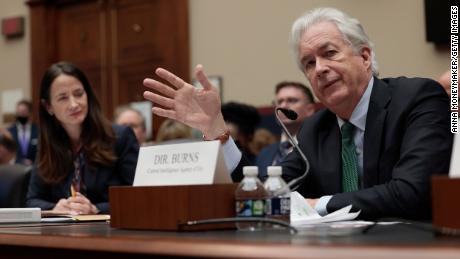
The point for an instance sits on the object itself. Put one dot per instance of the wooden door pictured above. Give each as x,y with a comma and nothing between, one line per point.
117,43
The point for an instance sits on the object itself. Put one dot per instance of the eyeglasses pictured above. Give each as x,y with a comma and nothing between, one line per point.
289,101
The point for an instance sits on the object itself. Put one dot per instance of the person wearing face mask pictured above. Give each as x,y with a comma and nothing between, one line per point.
25,133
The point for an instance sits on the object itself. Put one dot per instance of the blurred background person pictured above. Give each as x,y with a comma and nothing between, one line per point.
24,133
128,116
172,131
262,138
7,148
81,154
242,120
294,96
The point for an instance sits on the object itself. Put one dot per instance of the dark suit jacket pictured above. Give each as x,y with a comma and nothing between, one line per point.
407,139
265,158
33,143
97,180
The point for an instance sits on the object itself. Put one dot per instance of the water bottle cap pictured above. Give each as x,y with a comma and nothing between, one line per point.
274,170
250,170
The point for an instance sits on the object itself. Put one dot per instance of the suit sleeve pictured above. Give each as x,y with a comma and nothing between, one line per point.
127,151
425,150
38,192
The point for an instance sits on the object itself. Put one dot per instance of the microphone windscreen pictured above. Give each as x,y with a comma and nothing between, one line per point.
290,114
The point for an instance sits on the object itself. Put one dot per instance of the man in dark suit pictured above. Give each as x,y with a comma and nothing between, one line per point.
25,133
376,144
289,95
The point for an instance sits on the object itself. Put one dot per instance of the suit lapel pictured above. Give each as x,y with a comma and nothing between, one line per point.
329,155
375,123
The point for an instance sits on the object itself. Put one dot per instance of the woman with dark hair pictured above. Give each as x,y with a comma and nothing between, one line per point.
80,153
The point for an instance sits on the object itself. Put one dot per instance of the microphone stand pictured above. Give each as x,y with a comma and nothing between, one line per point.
292,115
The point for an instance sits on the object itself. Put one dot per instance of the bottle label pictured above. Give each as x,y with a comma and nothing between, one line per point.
277,206
250,208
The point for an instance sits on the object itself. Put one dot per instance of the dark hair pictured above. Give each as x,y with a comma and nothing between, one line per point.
297,85
246,117
55,151
27,103
8,143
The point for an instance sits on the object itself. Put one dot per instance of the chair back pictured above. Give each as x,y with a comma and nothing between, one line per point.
14,184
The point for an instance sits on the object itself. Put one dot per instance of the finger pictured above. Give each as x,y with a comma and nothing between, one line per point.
80,208
164,113
202,77
174,80
160,87
158,99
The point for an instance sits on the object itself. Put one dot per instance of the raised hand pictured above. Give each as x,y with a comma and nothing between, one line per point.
197,108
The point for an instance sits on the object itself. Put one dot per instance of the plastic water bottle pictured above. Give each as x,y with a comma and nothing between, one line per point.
278,204
250,197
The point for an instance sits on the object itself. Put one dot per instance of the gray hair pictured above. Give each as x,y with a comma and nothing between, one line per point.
351,29
124,108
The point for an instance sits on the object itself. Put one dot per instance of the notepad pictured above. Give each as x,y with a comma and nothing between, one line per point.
51,216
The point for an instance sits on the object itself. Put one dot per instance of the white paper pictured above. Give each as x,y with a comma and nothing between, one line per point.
303,214
454,171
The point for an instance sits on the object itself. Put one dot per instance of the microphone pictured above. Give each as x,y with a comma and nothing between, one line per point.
292,115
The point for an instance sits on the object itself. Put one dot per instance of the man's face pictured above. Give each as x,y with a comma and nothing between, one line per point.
337,74
290,97
132,119
22,110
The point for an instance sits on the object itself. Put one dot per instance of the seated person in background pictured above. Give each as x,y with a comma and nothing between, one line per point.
294,96
375,146
262,138
242,120
25,133
127,116
81,154
7,148
172,131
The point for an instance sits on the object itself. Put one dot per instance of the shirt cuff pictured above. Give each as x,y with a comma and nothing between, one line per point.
232,155
321,205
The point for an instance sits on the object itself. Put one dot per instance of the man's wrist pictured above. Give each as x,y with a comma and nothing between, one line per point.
223,138
215,129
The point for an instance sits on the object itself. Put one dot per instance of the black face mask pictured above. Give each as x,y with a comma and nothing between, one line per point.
22,119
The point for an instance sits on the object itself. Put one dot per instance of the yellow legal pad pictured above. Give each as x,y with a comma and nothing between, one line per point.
51,216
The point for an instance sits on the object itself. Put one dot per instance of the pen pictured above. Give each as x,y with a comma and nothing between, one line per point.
72,191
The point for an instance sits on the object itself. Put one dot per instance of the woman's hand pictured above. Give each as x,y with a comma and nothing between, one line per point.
81,205
62,207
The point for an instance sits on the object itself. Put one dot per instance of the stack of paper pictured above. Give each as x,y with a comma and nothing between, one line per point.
303,214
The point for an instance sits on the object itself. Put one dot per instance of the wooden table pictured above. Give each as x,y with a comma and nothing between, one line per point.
99,240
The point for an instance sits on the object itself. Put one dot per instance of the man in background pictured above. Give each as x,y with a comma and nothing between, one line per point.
24,133
127,116
288,95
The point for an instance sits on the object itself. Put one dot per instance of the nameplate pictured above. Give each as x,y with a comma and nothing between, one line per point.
181,164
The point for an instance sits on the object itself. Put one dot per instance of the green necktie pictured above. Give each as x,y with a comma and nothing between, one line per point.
349,159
